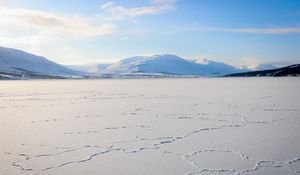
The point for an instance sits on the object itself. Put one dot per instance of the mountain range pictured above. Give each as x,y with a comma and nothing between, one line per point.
17,64
158,64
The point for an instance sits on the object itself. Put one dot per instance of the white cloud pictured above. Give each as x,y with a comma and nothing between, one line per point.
120,12
34,40
44,33
163,1
52,23
269,30
276,30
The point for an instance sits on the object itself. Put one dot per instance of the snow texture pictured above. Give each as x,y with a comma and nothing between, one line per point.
150,126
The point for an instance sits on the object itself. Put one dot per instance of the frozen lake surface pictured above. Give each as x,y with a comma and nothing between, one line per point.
150,126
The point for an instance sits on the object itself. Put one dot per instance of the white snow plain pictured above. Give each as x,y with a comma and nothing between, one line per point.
175,126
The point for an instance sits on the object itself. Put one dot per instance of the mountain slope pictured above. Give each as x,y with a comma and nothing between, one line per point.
264,67
218,67
20,63
168,64
96,68
293,70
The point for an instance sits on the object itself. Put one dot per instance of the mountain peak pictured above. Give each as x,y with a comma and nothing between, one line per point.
168,64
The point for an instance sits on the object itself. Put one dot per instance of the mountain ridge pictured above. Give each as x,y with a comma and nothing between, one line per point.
292,70
168,64
18,64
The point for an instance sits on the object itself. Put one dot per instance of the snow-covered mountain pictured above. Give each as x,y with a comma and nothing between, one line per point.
265,67
22,65
169,64
96,68
292,70
18,63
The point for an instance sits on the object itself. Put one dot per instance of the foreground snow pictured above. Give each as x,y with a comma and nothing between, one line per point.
158,126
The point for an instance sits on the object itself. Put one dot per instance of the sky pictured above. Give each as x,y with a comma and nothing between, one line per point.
238,32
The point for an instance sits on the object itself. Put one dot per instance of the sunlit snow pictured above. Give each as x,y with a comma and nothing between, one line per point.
150,126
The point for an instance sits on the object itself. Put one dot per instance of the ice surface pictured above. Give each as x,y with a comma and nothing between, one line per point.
226,126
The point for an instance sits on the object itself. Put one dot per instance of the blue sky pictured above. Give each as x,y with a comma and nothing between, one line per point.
240,32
